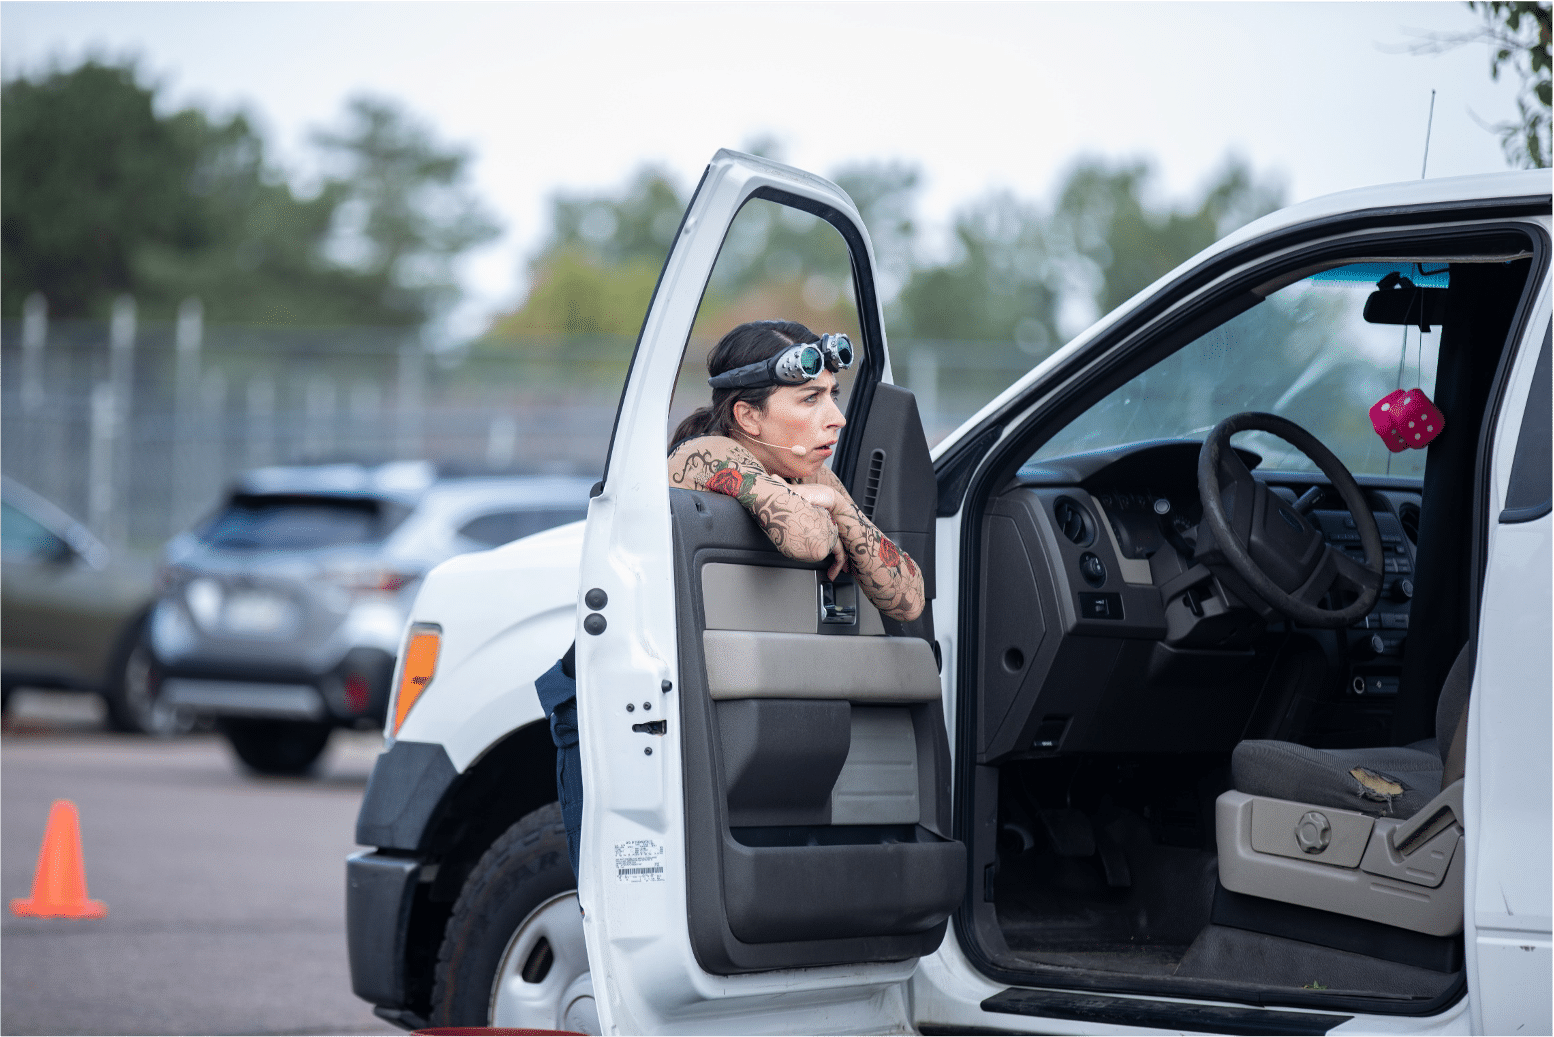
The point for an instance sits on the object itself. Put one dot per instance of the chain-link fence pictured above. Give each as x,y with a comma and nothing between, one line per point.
137,427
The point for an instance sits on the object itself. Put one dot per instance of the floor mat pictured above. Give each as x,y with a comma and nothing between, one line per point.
1223,953
1153,960
1047,902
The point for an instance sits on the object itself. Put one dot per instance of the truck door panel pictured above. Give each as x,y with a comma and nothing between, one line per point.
815,764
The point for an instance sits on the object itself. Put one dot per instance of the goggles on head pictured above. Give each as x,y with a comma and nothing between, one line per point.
793,366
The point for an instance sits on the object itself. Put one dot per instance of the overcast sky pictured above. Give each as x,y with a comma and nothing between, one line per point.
1323,96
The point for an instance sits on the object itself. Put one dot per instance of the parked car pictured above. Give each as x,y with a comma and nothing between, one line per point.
281,613
74,613
1196,737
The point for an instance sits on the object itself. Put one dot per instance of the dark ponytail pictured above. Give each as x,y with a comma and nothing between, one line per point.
747,344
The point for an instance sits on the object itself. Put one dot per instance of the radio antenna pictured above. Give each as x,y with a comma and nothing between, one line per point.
1403,355
1428,123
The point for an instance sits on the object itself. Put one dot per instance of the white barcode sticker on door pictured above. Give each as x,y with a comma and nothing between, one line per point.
640,860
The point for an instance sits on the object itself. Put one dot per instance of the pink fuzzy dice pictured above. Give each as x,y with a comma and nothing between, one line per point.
1406,418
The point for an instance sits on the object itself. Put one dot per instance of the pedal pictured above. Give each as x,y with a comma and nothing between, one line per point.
1115,863
1071,833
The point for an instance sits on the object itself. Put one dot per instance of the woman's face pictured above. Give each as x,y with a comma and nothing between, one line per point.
796,415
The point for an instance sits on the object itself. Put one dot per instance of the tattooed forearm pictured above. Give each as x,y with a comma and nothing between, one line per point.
886,574
805,522
796,527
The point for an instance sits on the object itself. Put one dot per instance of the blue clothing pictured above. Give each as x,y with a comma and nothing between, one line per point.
557,690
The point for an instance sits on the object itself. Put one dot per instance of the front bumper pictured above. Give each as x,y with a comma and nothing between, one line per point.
407,785
379,891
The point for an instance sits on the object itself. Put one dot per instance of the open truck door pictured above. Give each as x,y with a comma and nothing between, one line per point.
766,834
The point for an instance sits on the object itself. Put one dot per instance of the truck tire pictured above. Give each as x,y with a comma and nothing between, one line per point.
282,747
513,954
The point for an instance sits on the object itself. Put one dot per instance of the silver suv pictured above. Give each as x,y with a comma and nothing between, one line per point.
281,613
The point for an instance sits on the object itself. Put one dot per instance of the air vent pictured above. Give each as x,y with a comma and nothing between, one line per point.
1073,521
871,485
1408,517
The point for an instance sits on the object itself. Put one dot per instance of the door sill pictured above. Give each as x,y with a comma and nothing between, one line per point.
1164,1015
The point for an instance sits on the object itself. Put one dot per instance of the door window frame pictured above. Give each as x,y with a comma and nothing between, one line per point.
873,365
1528,495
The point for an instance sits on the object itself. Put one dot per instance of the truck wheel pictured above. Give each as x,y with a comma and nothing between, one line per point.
277,746
513,954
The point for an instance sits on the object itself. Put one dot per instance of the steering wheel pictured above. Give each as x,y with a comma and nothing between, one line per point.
1266,545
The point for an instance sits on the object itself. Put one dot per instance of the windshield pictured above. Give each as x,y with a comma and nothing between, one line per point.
1306,353
253,522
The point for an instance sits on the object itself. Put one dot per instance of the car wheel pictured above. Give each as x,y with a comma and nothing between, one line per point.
513,953
135,701
277,746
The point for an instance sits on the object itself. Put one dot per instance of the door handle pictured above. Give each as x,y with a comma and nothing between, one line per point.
834,612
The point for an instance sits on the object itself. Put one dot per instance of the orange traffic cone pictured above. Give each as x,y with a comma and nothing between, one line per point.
59,888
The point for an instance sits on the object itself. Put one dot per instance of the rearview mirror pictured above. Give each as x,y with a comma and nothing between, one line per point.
1424,307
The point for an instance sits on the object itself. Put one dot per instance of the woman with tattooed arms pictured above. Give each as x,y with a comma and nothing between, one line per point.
764,441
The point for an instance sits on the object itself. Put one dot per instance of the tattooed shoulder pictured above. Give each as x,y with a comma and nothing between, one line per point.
716,464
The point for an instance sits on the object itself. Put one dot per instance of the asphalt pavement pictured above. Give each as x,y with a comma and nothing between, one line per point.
225,891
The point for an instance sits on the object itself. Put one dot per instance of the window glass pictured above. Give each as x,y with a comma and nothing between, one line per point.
1306,353
777,263
295,523
504,527
22,536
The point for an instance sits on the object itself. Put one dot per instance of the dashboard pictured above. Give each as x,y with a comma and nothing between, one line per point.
1101,633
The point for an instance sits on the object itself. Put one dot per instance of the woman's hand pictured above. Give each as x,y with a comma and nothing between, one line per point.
823,497
838,558
885,573
826,499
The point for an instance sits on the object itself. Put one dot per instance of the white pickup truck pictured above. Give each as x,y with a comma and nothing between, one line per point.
1195,737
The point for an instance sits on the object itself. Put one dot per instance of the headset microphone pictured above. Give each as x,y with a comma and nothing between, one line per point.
797,450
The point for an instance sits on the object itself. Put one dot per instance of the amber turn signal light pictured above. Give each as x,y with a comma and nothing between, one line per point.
419,666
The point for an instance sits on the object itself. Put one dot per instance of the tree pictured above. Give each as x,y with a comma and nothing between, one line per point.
90,173
404,213
1013,266
1016,263
100,195
595,273
1001,285
886,196
1103,223
639,224
1519,33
